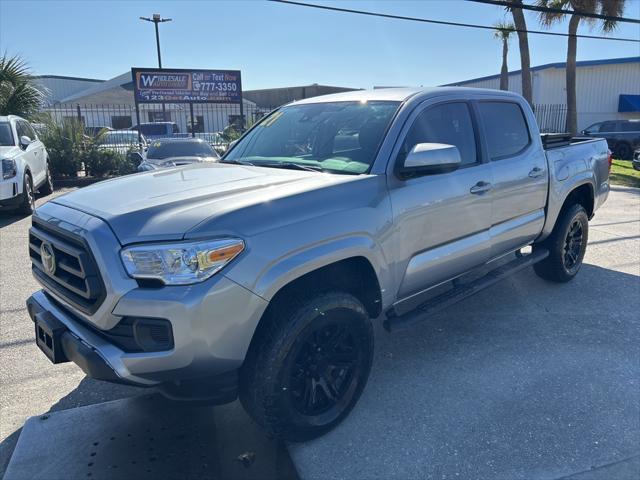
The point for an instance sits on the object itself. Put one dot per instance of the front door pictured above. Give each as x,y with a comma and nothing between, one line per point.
442,220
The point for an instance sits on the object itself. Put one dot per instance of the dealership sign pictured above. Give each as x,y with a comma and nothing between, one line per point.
153,85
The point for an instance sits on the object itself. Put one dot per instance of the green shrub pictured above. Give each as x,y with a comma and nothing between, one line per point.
65,143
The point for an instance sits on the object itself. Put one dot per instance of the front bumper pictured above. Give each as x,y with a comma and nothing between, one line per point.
10,193
69,346
212,322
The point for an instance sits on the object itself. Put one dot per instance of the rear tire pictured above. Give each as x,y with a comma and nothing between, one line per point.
28,204
307,365
567,245
623,151
47,187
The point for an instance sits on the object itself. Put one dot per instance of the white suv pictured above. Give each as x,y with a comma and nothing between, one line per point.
24,164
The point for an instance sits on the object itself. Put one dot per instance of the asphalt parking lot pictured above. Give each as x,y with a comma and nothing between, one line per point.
525,380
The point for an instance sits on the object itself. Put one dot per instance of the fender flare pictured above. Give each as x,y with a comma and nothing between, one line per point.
287,269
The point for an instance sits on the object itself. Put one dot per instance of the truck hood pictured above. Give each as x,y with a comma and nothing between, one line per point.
9,152
166,204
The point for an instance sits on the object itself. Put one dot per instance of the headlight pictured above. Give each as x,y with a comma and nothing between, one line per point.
180,263
9,168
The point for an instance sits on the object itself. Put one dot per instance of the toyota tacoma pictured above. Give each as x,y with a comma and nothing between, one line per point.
260,276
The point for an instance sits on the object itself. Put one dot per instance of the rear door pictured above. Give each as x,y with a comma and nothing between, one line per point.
442,227
520,174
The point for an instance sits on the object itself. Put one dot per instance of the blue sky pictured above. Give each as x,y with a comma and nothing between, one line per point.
279,45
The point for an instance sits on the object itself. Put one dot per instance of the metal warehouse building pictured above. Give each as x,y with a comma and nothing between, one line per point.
606,89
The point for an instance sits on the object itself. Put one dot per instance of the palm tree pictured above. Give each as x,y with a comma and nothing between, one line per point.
18,94
523,44
604,7
503,31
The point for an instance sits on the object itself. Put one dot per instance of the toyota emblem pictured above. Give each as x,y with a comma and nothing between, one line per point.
48,258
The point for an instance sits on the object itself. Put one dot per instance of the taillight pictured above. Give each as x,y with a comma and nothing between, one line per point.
610,159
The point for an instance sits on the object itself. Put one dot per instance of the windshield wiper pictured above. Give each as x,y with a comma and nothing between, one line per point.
237,162
291,165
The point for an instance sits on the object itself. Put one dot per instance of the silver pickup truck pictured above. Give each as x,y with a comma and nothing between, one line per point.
260,276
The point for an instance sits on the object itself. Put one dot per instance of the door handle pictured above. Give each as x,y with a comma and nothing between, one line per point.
536,172
481,187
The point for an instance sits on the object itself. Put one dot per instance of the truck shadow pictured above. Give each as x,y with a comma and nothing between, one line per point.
142,435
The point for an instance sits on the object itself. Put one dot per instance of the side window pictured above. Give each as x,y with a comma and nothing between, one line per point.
630,127
448,123
31,133
505,128
20,129
608,127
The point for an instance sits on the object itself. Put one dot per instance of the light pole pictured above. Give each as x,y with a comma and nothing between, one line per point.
156,19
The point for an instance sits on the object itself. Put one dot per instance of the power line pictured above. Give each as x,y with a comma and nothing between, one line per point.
536,8
442,22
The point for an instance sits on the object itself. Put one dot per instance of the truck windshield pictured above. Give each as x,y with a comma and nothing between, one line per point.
6,137
337,137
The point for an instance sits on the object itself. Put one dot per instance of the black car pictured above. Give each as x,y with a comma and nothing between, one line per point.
621,135
172,152
636,159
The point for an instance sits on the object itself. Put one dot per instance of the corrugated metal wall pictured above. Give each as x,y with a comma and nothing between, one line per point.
598,89
59,88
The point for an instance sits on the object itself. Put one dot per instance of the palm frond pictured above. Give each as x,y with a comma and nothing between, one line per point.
18,93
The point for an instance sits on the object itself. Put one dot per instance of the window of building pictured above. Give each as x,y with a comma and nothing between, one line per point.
448,123
159,116
505,128
121,122
198,124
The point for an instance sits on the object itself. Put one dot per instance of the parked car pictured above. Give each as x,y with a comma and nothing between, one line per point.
621,135
260,275
155,130
216,140
24,163
94,131
173,152
121,141
636,159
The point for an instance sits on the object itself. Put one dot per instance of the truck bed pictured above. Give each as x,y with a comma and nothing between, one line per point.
557,140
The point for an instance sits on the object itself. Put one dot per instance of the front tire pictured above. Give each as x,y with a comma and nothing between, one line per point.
47,187
28,204
308,365
567,245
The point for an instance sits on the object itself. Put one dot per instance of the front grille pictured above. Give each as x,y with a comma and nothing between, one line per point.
74,276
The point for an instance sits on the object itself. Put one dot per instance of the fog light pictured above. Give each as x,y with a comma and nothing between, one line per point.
153,334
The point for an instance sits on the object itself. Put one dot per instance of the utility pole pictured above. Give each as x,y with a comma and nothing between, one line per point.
156,19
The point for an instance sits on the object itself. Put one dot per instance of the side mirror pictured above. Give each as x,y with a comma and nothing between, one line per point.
25,141
430,158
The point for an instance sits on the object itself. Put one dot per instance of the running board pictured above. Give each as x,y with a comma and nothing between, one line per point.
461,291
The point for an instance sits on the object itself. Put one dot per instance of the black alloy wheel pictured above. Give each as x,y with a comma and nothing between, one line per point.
324,369
573,246
308,364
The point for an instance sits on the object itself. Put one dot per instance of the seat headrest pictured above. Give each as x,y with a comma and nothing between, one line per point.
371,133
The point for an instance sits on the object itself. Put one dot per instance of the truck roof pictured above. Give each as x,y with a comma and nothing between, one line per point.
400,94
